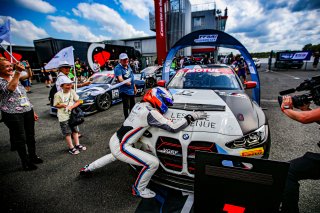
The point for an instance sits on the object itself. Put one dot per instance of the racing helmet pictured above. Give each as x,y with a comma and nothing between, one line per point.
159,98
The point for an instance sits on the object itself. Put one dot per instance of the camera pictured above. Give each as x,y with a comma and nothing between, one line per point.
312,85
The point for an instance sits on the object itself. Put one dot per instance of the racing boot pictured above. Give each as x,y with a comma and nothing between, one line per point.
85,171
146,193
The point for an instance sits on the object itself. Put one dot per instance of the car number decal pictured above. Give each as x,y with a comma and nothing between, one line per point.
115,93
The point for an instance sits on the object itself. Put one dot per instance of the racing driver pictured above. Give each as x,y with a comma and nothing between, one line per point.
149,112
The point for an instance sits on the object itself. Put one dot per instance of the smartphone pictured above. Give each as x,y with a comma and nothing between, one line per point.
24,63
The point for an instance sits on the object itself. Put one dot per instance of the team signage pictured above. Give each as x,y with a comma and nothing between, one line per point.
288,56
206,38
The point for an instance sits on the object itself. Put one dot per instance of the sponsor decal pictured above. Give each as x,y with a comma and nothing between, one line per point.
168,151
206,70
185,136
206,38
206,123
252,152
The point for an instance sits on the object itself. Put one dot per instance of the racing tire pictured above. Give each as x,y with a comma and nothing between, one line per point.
103,101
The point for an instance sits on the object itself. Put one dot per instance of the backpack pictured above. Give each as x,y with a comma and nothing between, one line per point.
76,117
52,92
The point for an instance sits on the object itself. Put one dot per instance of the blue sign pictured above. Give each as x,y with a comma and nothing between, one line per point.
294,56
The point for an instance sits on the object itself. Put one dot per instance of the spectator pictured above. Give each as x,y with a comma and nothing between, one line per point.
64,71
66,100
147,62
96,67
241,67
316,60
84,71
181,61
17,114
136,65
47,75
25,76
109,66
127,90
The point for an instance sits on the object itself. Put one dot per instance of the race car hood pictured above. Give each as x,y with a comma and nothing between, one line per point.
229,112
95,89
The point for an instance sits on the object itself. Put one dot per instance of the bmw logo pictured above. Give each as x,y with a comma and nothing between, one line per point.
185,136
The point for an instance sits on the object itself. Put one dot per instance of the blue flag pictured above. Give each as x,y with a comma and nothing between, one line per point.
5,31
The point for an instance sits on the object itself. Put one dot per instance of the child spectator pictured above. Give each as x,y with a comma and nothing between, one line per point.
65,100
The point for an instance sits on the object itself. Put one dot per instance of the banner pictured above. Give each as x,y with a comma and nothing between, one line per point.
65,54
294,55
5,31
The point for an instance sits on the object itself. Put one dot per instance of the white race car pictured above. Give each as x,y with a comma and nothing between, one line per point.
235,125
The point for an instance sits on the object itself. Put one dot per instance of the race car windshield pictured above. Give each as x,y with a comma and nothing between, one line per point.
101,79
217,79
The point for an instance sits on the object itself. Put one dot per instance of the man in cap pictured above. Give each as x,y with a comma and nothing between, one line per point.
127,90
64,70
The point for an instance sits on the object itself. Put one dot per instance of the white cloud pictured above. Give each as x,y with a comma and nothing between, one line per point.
24,30
261,27
109,19
140,8
71,26
37,5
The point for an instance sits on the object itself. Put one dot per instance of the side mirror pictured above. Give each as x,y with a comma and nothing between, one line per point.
250,84
161,83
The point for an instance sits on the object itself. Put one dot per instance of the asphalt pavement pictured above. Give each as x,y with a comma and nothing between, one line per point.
57,187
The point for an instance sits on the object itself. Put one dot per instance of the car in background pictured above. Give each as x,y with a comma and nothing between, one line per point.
151,75
102,92
257,62
235,124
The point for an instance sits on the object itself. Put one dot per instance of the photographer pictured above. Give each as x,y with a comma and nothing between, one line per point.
305,167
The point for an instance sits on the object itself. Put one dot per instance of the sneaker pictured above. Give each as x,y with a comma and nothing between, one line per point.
85,171
80,147
74,151
28,166
146,193
36,160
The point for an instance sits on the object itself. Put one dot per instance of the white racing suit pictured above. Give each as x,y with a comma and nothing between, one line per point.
142,116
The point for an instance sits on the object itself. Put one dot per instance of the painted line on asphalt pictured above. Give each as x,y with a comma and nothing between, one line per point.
292,76
269,101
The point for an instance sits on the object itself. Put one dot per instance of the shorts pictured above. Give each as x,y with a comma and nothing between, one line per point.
66,129
242,73
26,83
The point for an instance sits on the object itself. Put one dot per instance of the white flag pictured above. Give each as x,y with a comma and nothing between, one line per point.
5,31
65,54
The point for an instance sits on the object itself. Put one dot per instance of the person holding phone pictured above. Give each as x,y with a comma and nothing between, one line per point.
17,114
25,76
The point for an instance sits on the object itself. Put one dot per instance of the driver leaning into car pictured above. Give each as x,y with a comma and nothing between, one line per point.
149,112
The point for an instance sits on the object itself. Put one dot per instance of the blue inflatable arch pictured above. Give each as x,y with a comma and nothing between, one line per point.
218,39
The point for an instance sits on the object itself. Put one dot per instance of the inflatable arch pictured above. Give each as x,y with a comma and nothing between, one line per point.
218,39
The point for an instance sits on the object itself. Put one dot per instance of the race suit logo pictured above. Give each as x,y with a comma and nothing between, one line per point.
206,38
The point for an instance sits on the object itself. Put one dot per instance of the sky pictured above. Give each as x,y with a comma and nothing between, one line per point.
260,25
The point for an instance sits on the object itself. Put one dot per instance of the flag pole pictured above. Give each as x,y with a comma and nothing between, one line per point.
74,73
12,57
10,48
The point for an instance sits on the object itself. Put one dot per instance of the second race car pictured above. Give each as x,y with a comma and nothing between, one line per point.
102,92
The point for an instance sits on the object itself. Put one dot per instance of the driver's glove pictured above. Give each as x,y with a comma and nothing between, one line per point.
196,116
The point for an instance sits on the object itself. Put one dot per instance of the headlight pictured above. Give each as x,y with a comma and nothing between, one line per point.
85,95
251,140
